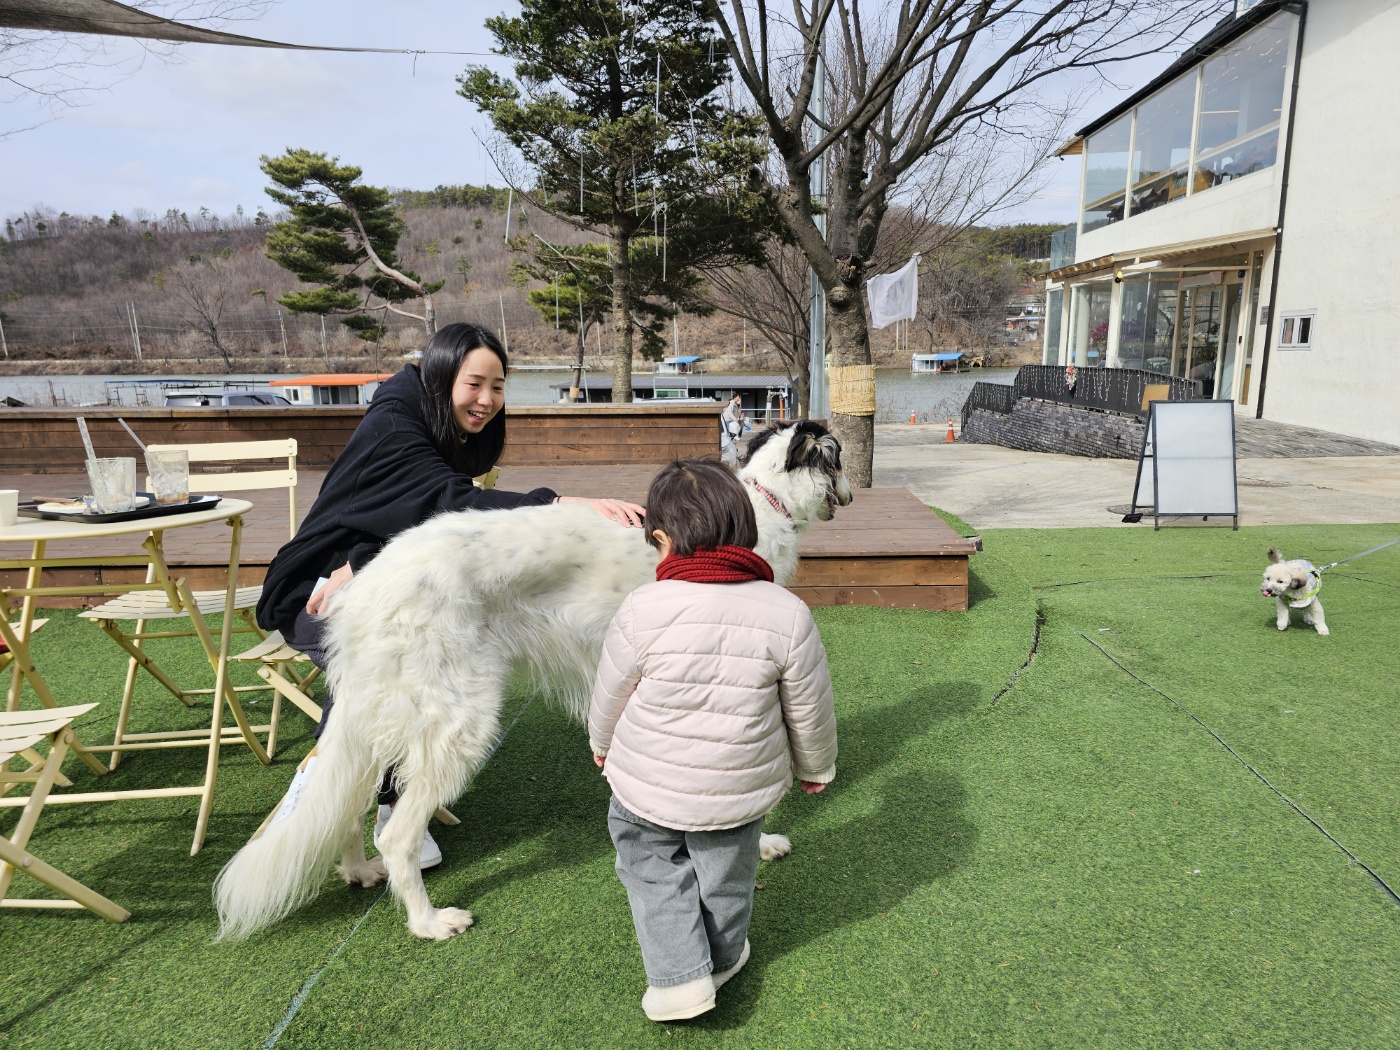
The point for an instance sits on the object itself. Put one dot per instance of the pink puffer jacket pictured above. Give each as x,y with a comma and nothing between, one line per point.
708,698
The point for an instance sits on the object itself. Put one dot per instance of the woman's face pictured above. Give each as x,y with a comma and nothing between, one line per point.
479,391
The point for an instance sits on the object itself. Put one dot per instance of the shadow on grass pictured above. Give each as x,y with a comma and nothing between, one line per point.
978,589
909,831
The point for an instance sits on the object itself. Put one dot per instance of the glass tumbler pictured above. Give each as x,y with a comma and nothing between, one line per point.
113,484
169,475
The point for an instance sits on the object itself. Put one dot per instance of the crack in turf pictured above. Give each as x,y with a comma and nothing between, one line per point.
1385,886
1030,657
294,1007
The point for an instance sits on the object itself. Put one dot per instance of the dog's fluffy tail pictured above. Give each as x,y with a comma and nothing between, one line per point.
284,867
1275,556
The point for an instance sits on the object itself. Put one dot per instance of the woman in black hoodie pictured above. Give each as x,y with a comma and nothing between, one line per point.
428,432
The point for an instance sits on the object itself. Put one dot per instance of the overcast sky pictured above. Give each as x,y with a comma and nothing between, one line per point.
188,133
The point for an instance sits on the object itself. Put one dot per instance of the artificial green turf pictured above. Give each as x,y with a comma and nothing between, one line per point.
1070,862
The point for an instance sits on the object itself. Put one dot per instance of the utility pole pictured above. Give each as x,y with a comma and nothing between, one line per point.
324,352
3,343
282,325
816,365
505,338
135,328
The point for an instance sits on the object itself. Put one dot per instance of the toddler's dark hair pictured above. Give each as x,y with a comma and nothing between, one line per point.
700,503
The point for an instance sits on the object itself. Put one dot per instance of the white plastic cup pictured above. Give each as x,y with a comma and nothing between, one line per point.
113,484
169,475
9,507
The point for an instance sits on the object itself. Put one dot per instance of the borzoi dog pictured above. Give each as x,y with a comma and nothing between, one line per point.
422,643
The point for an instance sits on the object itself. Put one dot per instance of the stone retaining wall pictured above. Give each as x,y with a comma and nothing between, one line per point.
1042,426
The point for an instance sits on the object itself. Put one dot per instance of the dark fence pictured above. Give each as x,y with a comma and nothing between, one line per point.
1105,389
990,397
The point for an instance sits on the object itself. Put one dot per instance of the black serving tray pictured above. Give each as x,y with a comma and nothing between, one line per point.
30,509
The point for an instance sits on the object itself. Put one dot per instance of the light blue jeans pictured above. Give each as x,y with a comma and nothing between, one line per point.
691,893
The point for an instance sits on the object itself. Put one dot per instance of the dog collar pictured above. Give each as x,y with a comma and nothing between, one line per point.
776,503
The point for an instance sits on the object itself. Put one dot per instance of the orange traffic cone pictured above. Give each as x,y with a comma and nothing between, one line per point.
949,439
912,420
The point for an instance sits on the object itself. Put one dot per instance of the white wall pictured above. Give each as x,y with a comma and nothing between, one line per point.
1341,242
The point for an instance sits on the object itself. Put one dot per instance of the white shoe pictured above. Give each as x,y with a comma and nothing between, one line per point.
720,976
293,795
680,1001
430,857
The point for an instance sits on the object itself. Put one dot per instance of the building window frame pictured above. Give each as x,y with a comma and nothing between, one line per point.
1297,329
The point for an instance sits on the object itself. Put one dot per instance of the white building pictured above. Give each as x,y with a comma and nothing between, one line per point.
1240,220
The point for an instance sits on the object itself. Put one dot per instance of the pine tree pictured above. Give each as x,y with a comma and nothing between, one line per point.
342,237
616,111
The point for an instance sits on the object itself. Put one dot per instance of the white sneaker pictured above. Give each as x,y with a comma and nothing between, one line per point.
720,976
293,795
430,857
679,1001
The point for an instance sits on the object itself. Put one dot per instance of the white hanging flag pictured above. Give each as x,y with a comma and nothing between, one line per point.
894,296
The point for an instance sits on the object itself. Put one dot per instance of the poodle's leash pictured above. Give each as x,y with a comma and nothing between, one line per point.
1363,554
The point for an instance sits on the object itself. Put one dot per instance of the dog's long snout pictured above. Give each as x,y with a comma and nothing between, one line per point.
842,492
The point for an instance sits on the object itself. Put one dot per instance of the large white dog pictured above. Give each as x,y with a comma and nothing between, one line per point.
422,643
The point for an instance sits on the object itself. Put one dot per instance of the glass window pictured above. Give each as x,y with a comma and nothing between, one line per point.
1106,173
1241,103
1162,147
1147,327
1295,331
1054,309
1091,303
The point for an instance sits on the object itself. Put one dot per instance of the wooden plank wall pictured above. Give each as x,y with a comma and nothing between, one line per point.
41,440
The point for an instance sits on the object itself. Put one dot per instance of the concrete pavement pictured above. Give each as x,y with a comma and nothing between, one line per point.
993,487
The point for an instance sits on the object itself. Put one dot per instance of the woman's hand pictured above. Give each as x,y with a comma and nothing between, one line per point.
811,787
629,514
334,582
598,761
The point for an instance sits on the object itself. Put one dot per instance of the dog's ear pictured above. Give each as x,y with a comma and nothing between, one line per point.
1299,580
1275,555
812,447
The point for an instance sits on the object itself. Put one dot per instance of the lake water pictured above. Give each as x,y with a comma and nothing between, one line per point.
932,398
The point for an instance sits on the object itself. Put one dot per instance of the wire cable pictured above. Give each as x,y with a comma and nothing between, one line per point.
1385,887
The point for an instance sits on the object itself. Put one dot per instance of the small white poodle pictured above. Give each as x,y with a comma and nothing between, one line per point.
1294,585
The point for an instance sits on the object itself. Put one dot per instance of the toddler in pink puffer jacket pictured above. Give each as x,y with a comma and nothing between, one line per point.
712,691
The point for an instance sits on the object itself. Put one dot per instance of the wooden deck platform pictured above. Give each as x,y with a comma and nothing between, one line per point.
885,549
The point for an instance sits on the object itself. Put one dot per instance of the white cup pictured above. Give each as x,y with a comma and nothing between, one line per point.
9,507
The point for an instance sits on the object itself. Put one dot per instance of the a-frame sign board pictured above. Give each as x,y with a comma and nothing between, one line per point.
1187,464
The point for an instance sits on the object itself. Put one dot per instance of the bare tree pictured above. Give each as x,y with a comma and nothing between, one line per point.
773,298
205,288
912,81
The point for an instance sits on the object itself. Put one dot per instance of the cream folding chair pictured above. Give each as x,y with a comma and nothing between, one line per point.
145,606
20,731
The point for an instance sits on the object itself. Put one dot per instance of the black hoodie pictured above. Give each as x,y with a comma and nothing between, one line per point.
390,477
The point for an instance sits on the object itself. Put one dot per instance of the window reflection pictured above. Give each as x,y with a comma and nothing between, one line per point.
1147,327
1162,148
1106,173
1236,131
1241,103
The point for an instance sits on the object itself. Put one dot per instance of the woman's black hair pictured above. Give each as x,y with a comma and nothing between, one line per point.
700,503
472,454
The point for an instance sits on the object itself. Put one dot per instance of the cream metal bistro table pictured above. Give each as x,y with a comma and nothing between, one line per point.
174,594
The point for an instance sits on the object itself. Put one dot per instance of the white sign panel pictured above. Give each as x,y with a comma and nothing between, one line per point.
1187,467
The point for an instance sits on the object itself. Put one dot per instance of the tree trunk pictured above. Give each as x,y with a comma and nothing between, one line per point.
429,315
622,316
849,332
802,373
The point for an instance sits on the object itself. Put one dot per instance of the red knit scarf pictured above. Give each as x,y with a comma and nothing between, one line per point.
727,564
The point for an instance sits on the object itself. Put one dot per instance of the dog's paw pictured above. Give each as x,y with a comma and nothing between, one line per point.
1322,629
441,924
1282,625
365,873
773,847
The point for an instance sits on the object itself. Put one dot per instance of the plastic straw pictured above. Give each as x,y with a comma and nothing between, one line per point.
132,433
87,440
